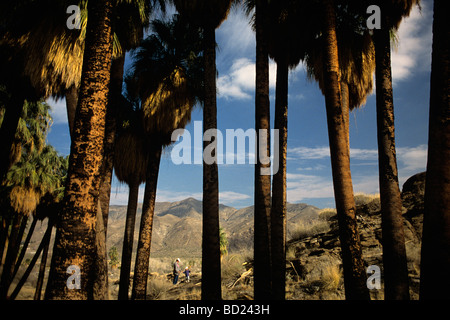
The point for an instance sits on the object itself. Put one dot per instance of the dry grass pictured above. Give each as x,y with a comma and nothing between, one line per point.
331,277
364,198
326,213
157,288
304,229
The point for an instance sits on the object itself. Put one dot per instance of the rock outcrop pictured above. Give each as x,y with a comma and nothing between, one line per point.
315,265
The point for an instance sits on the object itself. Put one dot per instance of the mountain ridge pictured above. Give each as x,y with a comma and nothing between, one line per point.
177,225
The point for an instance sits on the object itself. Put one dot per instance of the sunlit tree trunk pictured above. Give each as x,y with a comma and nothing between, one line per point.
354,270
139,291
76,239
393,239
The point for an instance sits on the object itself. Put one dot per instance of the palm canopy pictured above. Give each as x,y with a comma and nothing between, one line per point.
31,130
53,62
397,10
166,76
356,55
207,13
131,154
38,168
33,177
291,29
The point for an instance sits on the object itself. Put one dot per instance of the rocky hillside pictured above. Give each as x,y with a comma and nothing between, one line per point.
177,226
315,266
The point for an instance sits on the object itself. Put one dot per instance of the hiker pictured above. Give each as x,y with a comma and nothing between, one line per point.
176,270
186,272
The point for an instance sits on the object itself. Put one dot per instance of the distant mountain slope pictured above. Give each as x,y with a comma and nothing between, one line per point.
177,226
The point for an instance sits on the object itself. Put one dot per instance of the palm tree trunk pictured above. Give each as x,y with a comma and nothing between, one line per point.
139,291
76,242
128,238
40,280
394,252
211,268
15,238
6,221
346,110
354,272
434,281
44,242
115,97
25,246
100,288
278,212
262,261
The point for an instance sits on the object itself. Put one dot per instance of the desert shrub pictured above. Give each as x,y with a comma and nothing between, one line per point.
232,265
331,277
157,288
327,213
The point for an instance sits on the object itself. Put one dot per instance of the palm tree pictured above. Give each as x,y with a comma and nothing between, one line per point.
394,252
262,265
26,182
75,242
209,15
165,77
49,207
41,66
130,18
130,163
292,27
356,61
354,270
37,174
435,246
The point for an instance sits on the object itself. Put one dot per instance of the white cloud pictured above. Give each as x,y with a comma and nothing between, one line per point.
414,47
363,154
316,167
302,186
231,196
239,82
119,193
58,110
307,153
366,184
412,160
235,35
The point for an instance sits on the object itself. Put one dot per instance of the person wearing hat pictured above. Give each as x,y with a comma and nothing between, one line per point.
176,270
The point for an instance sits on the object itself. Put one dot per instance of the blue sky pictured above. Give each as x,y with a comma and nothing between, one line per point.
309,178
